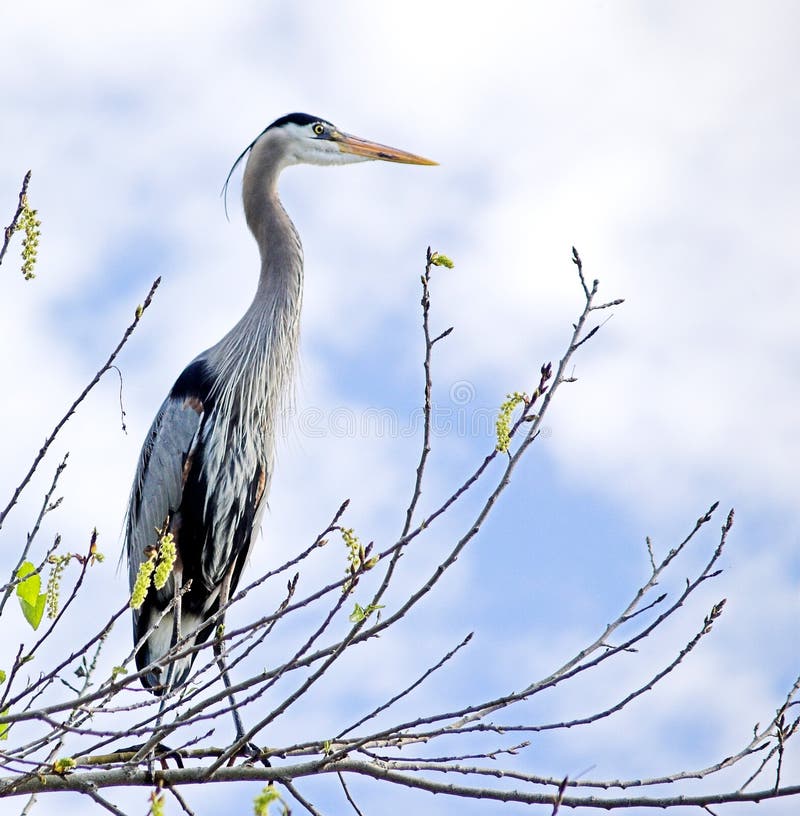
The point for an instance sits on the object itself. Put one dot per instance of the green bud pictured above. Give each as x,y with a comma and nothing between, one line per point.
437,259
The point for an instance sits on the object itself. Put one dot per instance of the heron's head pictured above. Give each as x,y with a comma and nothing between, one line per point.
299,138
306,139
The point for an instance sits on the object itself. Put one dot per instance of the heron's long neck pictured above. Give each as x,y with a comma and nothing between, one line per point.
255,361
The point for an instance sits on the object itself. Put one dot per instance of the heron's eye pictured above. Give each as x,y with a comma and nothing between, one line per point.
318,128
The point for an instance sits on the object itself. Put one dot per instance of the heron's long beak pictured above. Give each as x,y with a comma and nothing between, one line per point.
373,150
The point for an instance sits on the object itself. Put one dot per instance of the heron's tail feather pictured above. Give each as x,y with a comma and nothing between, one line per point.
164,673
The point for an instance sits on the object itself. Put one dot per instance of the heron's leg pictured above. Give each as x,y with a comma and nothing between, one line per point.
163,750
219,652
177,595
177,584
176,609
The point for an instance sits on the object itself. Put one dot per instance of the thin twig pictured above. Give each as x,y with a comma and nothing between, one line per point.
300,798
421,679
180,800
121,404
109,806
60,424
348,796
12,227
47,505
560,796
426,432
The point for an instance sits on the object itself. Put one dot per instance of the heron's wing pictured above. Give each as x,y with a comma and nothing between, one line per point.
163,463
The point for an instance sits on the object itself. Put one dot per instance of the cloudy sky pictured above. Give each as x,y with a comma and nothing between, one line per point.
660,139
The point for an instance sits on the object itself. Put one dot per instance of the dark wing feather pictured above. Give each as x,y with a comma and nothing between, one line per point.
158,490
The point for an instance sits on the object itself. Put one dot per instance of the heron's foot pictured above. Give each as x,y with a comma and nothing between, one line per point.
160,753
252,754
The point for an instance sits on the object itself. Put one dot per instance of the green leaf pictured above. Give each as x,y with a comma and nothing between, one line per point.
359,613
34,614
264,799
28,590
4,727
2,677
156,803
61,766
30,599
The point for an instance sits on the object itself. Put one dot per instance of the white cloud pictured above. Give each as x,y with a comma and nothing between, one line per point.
659,140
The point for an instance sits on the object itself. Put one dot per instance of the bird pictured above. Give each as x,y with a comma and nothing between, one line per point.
205,467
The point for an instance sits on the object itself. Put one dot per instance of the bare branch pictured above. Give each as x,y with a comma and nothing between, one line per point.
75,729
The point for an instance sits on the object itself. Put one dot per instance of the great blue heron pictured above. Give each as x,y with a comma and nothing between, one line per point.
206,464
